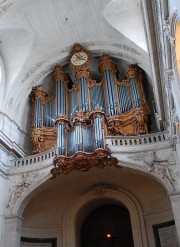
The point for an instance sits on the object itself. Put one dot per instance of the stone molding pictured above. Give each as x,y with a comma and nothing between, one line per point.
174,196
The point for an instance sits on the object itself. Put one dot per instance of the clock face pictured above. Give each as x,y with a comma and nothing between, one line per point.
79,58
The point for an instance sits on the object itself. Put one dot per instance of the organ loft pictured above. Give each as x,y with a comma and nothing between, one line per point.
80,114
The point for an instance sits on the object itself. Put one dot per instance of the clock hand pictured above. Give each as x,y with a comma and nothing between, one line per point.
80,57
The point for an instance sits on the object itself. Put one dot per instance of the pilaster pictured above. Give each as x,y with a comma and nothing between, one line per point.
175,202
12,231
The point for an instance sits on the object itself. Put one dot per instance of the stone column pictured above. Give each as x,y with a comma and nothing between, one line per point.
12,234
175,202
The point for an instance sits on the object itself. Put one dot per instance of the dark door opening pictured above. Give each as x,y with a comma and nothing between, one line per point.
107,226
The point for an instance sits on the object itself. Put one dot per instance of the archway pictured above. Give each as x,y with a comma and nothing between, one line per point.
107,226
58,209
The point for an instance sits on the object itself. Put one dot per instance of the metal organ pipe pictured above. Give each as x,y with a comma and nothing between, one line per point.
134,75
60,78
108,69
73,105
60,98
49,117
135,92
78,138
88,139
38,113
60,140
83,94
96,95
98,132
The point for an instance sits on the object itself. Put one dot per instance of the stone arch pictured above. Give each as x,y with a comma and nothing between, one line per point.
96,196
36,187
29,194
162,179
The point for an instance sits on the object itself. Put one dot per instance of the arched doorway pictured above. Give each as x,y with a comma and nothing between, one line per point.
107,226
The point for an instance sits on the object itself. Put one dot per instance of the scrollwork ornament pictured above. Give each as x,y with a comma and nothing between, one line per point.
83,161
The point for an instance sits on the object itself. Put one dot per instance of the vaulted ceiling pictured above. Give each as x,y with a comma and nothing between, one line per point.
37,34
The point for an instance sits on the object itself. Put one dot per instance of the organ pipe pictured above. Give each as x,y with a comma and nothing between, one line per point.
135,76
108,69
73,105
60,140
38,100
83,92
61,80
49,115
99,140
96,96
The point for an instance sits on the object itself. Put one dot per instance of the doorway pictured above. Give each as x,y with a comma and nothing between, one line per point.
107,226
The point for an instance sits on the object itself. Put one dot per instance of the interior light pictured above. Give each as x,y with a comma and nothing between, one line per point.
108,235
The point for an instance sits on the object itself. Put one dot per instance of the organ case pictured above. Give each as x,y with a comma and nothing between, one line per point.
80,114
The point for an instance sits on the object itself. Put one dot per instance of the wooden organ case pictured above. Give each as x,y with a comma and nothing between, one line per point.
78,117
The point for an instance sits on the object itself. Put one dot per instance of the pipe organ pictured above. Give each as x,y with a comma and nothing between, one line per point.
78,117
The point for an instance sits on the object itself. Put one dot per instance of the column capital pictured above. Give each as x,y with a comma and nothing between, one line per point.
14,218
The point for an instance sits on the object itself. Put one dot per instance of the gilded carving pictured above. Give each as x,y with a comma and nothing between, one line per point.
59,74
83,161
83,73
134,122
76,57
43,139
106,63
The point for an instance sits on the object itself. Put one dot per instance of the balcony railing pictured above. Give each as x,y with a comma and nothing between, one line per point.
47,156
149,139
112,141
